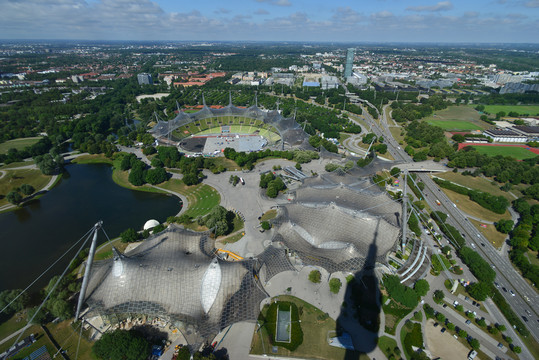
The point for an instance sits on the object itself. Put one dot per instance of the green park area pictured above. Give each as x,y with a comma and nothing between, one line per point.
472,208
523,110
315,325
201,198
13,179
411,336
457,118
477,183
18,144
516,152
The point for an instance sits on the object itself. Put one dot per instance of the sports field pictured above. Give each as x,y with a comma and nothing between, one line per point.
521,109
18,144
454,124
517,152
457,118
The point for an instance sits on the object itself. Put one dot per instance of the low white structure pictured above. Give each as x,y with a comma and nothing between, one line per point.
150,224
505,135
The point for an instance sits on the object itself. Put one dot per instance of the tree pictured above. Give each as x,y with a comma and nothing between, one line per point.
474,343
459,138
265,225
14,197
156,176
122,345
504,226
463,333
517,349
451,326
395,171
480,290
335,285
7,296
439,295
27,189
136,176
129,235
315,276
421,287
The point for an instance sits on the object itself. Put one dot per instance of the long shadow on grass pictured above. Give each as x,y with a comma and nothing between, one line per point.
360,315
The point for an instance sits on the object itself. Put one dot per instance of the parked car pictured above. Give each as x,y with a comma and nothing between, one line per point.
468,322
443,330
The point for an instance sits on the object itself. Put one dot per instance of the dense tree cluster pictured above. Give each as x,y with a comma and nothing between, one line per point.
43,146
502,168
525,235
399,292
273,184
478,266
219,220
317,141
122,345
247,160
403,112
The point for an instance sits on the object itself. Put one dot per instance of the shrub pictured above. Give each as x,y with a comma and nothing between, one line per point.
335,285
129,235
315,276
271,325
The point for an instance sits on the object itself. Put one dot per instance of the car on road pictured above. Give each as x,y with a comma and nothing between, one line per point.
497,285
504,289
483,244
528,312
444,306
473,245
468,322
511,292
524,318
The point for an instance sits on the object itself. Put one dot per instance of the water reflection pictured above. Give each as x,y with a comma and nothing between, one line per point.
36,235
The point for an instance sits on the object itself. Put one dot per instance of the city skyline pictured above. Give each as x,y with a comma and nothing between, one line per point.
512,21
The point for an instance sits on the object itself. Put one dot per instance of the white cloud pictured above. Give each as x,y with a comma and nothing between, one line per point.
222,11
532,4
441,6
261,12
276,2
347,15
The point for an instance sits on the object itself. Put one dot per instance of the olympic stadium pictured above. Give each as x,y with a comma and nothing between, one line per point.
209,131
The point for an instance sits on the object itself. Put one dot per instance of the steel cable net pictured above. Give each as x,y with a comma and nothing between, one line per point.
175,276
325,226
378,203
290,131
274,261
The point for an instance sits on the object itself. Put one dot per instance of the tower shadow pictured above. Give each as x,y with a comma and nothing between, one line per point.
360,314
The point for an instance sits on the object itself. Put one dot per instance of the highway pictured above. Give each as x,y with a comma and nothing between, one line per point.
506,276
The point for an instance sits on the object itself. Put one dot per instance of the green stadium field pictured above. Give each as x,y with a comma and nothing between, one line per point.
520,109
516,152
454,125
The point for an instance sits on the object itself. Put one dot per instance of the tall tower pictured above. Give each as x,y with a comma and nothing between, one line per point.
349,62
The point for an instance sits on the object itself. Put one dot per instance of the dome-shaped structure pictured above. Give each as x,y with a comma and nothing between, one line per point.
150,224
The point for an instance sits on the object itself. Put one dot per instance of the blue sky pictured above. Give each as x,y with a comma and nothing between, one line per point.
466,21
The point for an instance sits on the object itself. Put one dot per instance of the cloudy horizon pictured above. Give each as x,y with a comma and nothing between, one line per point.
457,21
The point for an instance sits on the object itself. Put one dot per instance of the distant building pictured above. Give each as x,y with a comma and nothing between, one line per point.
329,82
349,62
530,132
505,135
144,79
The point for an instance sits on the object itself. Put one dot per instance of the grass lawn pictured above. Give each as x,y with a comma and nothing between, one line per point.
201,198
394,313
457,118
41,339
18,144
477,183
516,152
16,164
15,178
68,338
521,109
231,238
454,125
268,215
472,208
229,165
316,326
92,159
495,237
387,345
14,323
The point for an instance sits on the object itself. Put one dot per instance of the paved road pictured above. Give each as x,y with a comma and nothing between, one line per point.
507,276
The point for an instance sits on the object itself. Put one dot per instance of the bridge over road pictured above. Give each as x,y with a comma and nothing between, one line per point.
423,166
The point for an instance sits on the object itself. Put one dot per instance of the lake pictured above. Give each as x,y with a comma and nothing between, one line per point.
33,237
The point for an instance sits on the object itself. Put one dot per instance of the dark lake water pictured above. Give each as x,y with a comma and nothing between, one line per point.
33,237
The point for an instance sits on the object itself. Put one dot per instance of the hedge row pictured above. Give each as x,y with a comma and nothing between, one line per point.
497,204
271,325
509,314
